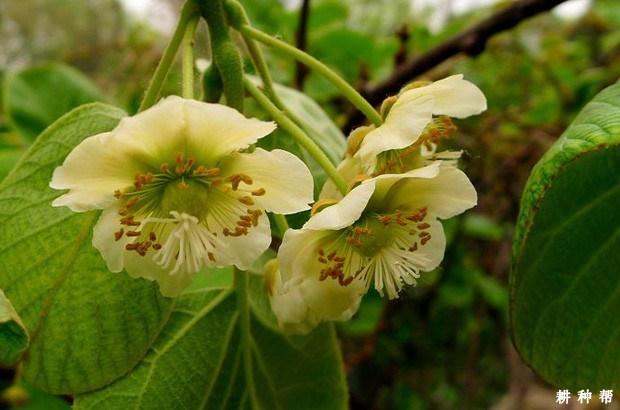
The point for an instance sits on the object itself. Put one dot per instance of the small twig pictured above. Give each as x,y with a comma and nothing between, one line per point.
470,42
301,42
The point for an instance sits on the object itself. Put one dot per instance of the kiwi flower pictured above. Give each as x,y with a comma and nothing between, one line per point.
180,192
382,233
410,113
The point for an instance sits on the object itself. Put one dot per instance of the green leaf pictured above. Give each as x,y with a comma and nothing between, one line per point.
214,353
37,96
13,334
565,283
87,326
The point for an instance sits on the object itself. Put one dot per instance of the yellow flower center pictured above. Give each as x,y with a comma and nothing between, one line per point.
185,189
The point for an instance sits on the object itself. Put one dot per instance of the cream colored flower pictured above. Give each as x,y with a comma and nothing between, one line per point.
412,112
383,233
178,193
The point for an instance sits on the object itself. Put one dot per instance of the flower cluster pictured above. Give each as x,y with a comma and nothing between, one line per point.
385,230
180,192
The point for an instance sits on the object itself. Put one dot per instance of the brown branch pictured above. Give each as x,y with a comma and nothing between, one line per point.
470,42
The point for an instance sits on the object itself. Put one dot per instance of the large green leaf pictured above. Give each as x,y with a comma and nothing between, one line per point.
219,352
87,325
37,96
565,284
13,334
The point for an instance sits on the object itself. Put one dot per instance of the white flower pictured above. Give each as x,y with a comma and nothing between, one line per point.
177,192
414,110
384,232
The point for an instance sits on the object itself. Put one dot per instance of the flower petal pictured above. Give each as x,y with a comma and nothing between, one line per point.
453,96
170,285
345,212
92,172
285,179
111,250
447,194
240,250
402,127
303,301
215,130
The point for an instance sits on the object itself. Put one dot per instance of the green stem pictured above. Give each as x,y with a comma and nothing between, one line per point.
241,294
298,134
226,56
188,59
282,223
349,92
188,13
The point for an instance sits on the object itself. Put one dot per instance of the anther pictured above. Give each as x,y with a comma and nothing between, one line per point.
152,236
211,256
259,192
118,235
117,194
128,220
246,200
246,178
157,246
133,233
165,168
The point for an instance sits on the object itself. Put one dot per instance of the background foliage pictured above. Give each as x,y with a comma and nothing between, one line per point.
443,344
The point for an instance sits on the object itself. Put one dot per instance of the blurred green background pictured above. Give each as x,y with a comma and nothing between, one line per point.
444,343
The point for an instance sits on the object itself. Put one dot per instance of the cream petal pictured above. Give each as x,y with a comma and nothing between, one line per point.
311,300
453,96
385,182
433,250
92,172
448,194
224,213
170,285
285,179
244,250
215,130
111,250
155,135
346,211
402,127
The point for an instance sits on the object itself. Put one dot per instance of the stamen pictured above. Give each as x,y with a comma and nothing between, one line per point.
128,220
118,235
117,194
246,200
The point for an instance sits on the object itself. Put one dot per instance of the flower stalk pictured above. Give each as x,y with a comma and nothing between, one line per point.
189,12
349,92
298,134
